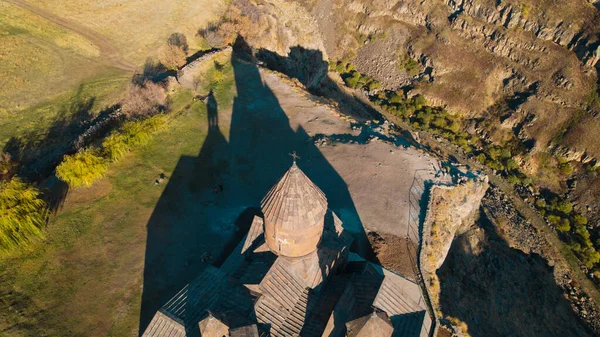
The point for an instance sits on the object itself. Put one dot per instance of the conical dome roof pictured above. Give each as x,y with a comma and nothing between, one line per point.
295,202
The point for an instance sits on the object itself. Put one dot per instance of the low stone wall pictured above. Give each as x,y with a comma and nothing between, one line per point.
186,74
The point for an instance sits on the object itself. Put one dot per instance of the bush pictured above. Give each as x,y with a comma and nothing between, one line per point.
420,101
481,158
144,100
511,164
140,132
513,179
132,133
408,64
564,225
114,147
553,219
540,204
397,97
81,169
173,57
566,168
564,207
353,79
22,214
580,219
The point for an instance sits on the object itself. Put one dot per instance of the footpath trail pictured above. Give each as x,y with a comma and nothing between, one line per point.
107,51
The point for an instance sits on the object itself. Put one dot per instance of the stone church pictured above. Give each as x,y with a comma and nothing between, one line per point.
293,275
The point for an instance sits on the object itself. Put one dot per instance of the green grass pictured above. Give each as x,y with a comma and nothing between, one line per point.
85,279
105,89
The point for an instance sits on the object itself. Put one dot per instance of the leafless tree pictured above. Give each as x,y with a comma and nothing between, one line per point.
146,99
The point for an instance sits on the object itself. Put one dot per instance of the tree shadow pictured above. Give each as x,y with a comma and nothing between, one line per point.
501,291
194,217
39,151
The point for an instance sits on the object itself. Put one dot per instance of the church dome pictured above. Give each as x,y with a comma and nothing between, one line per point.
294,211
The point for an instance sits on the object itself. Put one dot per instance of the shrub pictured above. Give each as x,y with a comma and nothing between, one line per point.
540,204
513,179
481,158
7,166
408,64
564,207
352,80
144,100
494,153
420,101
590,256
114,147
580,219
553,219
566,168
495,165
511,164
564,225
173,57
22,214
140,132
397,97
81,169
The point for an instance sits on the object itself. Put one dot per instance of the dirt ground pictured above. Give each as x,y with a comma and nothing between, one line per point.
395,253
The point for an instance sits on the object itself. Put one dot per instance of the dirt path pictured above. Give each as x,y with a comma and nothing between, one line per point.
107,51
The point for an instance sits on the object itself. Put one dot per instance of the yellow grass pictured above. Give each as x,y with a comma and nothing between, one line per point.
138,28
38,58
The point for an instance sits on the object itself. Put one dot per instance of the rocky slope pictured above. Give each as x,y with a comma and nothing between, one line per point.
518,69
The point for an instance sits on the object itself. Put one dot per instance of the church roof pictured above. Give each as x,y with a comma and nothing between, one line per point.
295,202
376,324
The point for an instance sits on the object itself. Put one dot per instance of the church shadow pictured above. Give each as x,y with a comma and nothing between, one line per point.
209,201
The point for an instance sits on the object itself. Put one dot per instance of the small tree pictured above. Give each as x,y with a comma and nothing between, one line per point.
22,214
82,168
179,40
173,57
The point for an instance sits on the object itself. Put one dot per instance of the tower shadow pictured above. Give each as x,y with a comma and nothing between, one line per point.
194,222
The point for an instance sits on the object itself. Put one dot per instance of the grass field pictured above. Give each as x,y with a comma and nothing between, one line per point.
105,89
39,59
50,50
86,278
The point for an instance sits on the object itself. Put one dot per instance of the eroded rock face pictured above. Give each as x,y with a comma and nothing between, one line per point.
450,212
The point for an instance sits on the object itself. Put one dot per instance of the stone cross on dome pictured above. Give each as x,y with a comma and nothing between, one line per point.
295,156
